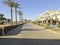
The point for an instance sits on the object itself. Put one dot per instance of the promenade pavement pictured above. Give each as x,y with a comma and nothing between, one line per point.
29,34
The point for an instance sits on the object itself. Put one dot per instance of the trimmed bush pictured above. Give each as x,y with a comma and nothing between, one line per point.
58,26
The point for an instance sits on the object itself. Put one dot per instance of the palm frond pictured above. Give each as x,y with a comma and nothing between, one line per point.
19,7
19,12
16,5
8,2
5,2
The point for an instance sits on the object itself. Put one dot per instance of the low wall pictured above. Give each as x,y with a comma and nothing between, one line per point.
8,28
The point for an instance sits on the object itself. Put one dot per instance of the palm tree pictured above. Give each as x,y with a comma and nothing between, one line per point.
10,4
20,15
16,5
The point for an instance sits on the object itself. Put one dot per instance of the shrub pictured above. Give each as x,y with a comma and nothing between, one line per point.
58,26
48,24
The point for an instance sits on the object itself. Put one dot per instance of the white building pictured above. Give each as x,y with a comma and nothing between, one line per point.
50,16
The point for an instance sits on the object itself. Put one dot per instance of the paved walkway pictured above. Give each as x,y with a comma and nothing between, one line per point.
30,34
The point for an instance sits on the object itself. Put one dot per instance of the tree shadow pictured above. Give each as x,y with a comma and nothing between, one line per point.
19,29
14,31
20,41
31,29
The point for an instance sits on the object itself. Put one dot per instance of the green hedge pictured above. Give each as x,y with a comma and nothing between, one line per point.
58,26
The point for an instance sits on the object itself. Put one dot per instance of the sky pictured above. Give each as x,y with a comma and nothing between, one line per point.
31,8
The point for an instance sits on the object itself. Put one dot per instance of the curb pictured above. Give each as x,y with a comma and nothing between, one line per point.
49,30
53,31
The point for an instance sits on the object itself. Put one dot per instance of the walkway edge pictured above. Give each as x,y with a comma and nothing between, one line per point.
48,30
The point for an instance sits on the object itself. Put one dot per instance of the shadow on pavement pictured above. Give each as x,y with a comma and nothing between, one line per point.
14,31
31,29
15,41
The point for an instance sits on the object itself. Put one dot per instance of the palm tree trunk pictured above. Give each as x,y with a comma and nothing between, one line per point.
21,18
11,16
16,15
